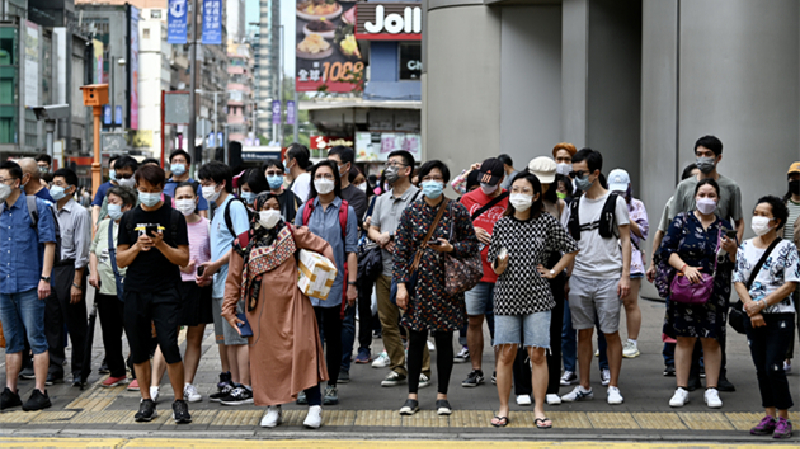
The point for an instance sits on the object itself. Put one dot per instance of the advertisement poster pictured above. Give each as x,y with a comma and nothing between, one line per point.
327,52
32,78
276,112
377,146
291,112
176,22
134,70
212,21
98,61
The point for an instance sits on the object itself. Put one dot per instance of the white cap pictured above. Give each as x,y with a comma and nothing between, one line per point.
618,180
544,168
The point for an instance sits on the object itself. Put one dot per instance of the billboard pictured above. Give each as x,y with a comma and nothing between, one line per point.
133,80
32,78
98,61
176,22
327,54
212,21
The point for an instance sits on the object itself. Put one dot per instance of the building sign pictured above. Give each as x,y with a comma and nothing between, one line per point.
378,146
321,144
392,21
176,22
212,21
410,60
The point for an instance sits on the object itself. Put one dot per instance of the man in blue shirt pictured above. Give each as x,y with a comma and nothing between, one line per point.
234,385
179,162
23,285
97,203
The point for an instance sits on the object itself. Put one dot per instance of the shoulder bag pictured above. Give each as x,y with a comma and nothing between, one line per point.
461,274
737,315
685,291
413,272
112,255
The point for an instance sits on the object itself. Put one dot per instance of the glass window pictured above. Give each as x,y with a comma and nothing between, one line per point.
410,60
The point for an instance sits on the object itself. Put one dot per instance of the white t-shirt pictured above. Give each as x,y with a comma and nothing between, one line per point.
302,187
780,267
597,257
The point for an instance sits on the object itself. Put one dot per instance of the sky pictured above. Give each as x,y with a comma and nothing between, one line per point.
288,21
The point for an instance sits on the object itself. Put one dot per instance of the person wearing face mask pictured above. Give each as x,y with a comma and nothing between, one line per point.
327,215
708,151
124,168
428,307
298,158
766,275
179,163
31,181
287,355
695,244
68,301
103,278
100,195
45,164
252,183
486,205
791,232
524,243
562,153
289,202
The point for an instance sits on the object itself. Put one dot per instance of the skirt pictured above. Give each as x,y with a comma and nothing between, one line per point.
195,304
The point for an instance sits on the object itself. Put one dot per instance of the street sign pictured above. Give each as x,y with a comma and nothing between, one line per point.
118,116
176,107
107,114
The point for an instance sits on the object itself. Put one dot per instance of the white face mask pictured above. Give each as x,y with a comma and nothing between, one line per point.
115,211
129,182
520,201
210,193
760,225
324,186
5,191
563,169
706,205
489,189
269,218
185,206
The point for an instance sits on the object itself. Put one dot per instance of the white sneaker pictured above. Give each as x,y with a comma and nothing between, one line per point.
314,417
597,353
524,399
568,378
680,398
787,366
712,398
630,349
272,417
424,381
154,393
431,347
190,393
578,394
462,356
382,361
614,396
606,377
553,399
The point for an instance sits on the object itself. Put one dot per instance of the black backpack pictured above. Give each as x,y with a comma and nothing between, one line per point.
606,227
227,214
33,211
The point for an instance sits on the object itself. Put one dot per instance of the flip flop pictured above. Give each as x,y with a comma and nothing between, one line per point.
544,423
502,421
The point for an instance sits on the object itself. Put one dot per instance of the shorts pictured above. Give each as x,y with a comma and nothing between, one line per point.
142,311
195,304
226,335
531,331
592,297
480,299
637,275
23,314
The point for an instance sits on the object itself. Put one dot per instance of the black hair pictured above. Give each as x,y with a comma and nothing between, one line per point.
299,153
593,159
337,182
112,159
430,165
254,178
153,174
711,142
270,162
151,160
603,182
506,160
408,159
126,162
550,195
567,185
352,174
217,172
44,158
536,207
687,171
779,209
13,168
185,184
707,181
69,176
472,180
346,155
125,194
180,153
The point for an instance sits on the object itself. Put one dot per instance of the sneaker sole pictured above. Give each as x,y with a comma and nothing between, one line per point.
244,402
33,409
631,356
678,405
578,399
408,412
312,426
714,406
444,411
330,402
200,399
152,417
614,402
470,385
272,426
115,384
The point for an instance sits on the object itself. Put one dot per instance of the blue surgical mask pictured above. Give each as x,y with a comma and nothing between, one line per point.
287,170
115,211
149,199
432,189
248,197
177,169
583,183
57,192
112,174
275,182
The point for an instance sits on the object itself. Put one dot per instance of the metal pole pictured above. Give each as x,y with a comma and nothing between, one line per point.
296,115
280,85
163,138
193,82
111,92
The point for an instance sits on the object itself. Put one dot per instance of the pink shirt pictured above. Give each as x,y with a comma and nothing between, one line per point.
199,246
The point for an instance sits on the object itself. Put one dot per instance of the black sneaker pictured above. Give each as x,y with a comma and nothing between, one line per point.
474,378
104,368
53,379
223,391
180,412
494,378
37,401
669,370
239,396
723,384
9,399
410,407
443,407
77,381
147,411
27,373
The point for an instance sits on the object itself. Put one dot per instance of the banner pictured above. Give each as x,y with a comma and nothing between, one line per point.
220,140
32,77
176,22
212,21
133,105
291,112
276,112
118,115
98,61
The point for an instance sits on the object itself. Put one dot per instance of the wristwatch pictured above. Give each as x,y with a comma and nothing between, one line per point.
43,278
76,286
553,272
352,283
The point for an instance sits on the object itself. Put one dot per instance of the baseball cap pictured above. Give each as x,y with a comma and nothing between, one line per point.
618,180
492,171
544,168
794,168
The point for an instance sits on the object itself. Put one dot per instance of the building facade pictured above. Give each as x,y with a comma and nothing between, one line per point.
267,62
239,92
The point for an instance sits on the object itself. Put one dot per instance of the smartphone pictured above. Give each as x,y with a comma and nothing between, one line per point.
434,243
731,234
150,229
200,271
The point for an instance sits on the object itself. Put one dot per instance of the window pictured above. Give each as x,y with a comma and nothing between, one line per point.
155,13
145,33
410,60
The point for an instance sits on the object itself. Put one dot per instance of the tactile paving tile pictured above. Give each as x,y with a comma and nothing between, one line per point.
612,421
237,418
471,418
103,417
669,421
706,421
378,418
17,417
425,418
744,421
520,419
338,417
49,416
198,417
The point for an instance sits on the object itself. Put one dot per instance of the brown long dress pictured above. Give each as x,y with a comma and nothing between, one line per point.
286,355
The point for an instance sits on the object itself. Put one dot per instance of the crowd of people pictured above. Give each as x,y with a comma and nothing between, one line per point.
544,255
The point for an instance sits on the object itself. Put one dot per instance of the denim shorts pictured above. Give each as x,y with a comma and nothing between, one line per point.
531,330
480,299
225,333
23,313
593,297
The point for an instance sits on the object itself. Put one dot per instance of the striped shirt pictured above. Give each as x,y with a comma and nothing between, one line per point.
794,212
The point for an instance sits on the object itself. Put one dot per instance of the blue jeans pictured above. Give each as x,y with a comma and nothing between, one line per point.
348,337
480,301
669,353
23,313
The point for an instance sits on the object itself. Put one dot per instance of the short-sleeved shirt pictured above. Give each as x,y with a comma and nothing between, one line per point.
101,193
474,201
151,271
20,265
222,239
199,246
663,223
99,247
302,187
729,206
386,215
355,198
780,267
325,223
598,257
794,214
171,185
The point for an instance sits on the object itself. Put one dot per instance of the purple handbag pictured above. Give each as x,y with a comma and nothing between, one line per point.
685,291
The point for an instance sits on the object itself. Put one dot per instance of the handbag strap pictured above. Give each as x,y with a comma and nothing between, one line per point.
112,250
761,261
432,228
489,205
716,250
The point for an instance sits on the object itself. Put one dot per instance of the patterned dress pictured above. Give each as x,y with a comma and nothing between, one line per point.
697,247
430,308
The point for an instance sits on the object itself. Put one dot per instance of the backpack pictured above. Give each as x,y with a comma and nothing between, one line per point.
227,214
33,211
174,219
307,210
606,227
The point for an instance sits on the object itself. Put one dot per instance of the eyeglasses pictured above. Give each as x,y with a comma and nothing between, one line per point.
4,181
394,164
577,174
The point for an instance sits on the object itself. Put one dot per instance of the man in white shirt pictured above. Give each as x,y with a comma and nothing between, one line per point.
298,159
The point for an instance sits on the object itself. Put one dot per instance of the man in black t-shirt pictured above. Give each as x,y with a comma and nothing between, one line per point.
153,242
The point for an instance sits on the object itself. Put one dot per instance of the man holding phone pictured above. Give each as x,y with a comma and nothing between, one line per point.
153,242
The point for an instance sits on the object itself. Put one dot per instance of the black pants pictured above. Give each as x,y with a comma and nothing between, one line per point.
365,312
110,310
329,322
418,341
768,349
556,324
522,373
59,311
162,309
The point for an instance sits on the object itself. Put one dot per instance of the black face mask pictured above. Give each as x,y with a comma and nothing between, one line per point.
794,186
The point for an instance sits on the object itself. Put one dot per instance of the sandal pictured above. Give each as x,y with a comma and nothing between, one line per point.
498,421
544,423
